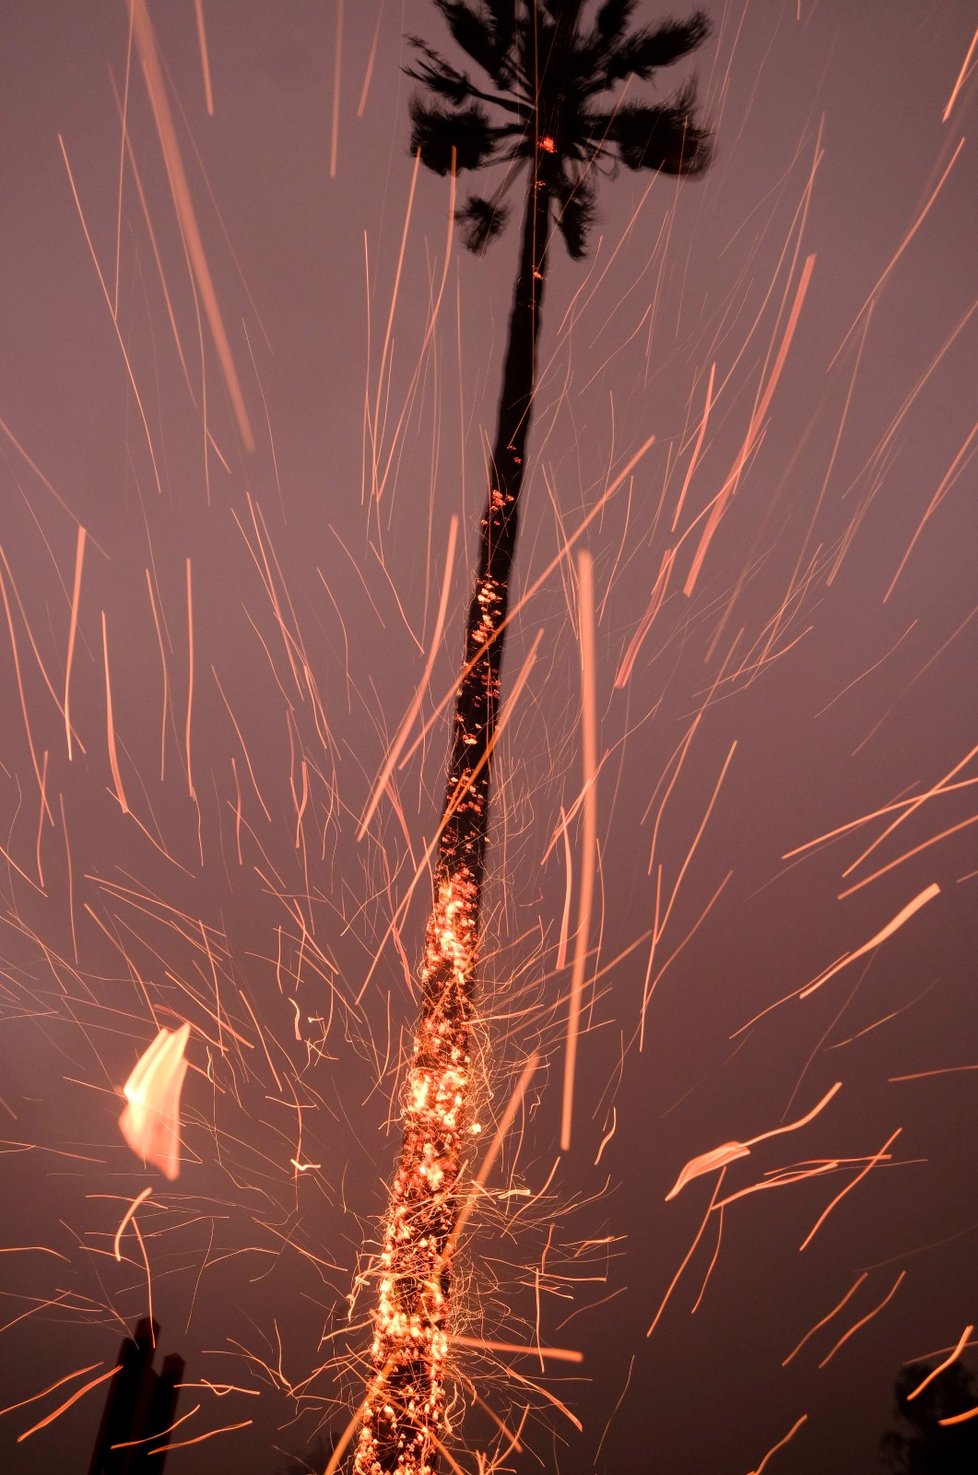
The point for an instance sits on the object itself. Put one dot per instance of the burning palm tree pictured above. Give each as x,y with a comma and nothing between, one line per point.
552,118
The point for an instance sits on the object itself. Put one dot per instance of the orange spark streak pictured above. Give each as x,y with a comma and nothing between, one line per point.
534,587
694,458
936,1371
751,439
110,726
901,248
55,1413
950,475
148,1438
944,1070
190,680
871,1163
904,915
205,65
244,749
907,855
183,1443
589,837
959,83
371,59
729,1152
862,1322
337,74
912,806
79,1371
557,1354
183,204
971,1413
140,1199
819,1324
687,1257
780,1444
72,629
115,322
412,711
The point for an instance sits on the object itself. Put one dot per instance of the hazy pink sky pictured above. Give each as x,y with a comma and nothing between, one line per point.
235,894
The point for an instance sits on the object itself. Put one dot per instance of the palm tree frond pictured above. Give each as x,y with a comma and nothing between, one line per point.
485,34
576,215
640,54
438,75
437,132
612,18
481,221
666,138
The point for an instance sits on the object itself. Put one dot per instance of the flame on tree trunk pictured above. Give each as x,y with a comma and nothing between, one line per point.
404,1419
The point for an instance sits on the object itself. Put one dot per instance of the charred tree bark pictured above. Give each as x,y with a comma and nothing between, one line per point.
404,1417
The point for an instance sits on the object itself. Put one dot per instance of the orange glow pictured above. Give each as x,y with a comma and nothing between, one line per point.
151,1120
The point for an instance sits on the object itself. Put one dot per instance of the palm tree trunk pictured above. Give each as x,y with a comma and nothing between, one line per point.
404,1414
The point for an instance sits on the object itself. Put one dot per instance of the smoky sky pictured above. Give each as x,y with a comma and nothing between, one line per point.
254,625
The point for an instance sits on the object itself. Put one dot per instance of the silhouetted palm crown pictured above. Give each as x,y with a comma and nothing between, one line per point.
551,74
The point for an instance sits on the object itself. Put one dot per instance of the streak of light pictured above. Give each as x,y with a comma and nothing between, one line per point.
244,749
607,1136
910,809
139,1199
868,671
72,631
115,323
644,625
971,1413
205,65
221,1390
57,1412
950,476
556,1354
589,837
159,1434
729,1152
489,1158
780,1444
151,1120
688,1256
110,726
863,1320
907,855
852,824
550,1396
754,429
694,458
451,805
660,923
782,1180
334,137
827,1318
959,82
183,1443
190,683
935,1372
183,204
944,1070
881,1156
372,57
922,216
43,479
902,916
79,1372
404,730
563,553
